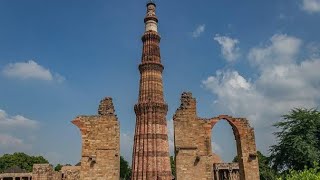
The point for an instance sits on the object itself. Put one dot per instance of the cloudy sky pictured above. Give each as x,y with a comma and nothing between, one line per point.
58,59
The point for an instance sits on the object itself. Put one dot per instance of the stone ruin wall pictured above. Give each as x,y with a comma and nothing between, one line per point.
100,143
70,173
44,172
193,151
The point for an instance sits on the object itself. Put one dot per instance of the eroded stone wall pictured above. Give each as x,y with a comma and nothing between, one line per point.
100,143
193,150
42,172
70,173
20,176
46,172
192,142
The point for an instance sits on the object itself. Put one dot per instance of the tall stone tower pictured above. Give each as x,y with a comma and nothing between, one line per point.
151,149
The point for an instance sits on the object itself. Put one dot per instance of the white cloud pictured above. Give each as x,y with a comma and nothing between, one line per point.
198,31
9,144
18,121
15,133
7,140
282,49
283,83
30,70
311,6
229,49
313,49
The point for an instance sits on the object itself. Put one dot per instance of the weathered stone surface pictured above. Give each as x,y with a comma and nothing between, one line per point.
222,171
151,148
216,159
100,144
70,172
193,151
22,176
106,107
43,172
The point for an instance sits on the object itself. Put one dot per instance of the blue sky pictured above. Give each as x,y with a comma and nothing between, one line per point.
58,59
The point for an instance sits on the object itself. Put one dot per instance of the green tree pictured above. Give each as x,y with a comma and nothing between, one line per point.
266,172
306,174
21,160
298,140
125,170
173,166
235,159
58,167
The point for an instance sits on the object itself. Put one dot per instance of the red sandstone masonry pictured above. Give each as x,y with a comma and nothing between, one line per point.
151,148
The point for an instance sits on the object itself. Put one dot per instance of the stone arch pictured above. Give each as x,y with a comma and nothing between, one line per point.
245,143
192,137
231,120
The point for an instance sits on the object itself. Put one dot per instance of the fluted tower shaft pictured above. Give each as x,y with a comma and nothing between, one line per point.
151,148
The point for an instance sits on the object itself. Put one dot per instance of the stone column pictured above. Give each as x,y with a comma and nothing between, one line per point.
216,174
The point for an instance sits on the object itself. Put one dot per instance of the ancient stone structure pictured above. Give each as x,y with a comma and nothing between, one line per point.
70,172
226,171
151,148
14,173
193,151
100,159
44,172
16,176
100,143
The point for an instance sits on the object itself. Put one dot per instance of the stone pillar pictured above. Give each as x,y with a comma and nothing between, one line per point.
247,153
216,172
100,143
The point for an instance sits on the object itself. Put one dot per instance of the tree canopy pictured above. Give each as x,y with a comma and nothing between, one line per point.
306,174
125,170
58,167
298,140
21,160
266,172
173,166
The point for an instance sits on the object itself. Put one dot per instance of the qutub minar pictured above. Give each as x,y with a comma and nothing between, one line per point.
194,159
151,148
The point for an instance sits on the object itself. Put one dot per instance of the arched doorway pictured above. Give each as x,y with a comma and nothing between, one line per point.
193,150
224,152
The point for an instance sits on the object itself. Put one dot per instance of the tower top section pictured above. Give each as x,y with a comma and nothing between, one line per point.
151,2
151,20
